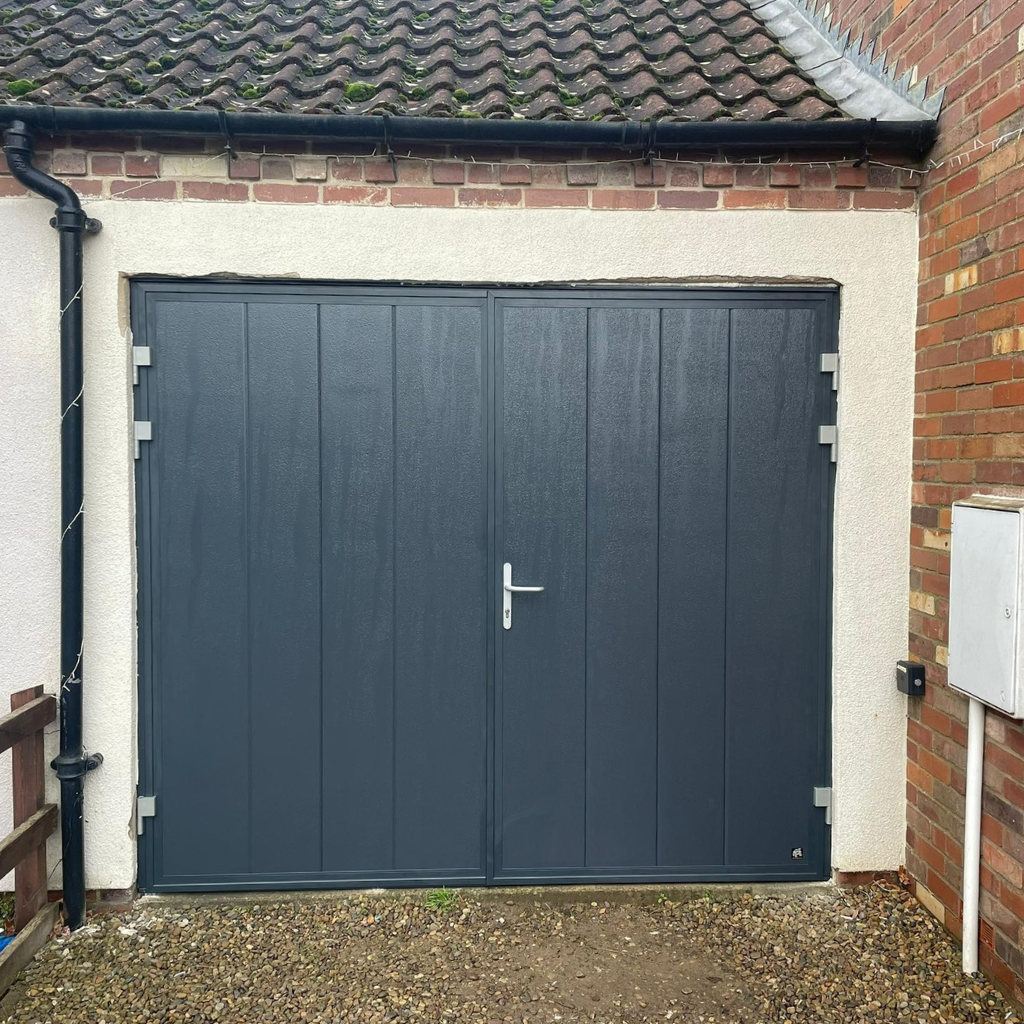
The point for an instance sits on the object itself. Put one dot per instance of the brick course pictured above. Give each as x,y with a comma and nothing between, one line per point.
161,169
969,423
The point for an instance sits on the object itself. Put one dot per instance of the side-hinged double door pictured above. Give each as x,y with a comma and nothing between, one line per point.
342,683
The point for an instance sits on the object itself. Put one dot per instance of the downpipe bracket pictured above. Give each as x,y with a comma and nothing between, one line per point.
75,220
71,766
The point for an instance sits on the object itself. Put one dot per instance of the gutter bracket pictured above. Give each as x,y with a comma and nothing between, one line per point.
388,151
865,157
651,131
222,120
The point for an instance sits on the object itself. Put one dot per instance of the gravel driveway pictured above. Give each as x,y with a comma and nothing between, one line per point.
811,956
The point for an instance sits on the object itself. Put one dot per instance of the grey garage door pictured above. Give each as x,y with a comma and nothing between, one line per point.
335,687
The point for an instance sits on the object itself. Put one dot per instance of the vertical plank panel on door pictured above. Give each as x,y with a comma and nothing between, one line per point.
622,587
284,595
691,613
441,575
201,653
358,586
544,452
774,605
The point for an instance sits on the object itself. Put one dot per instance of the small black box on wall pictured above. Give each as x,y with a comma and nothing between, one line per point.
910,678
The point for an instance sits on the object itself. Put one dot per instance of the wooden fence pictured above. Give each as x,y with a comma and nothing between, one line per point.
24,850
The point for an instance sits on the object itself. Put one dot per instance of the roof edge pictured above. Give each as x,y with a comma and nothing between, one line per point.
912,138
853,76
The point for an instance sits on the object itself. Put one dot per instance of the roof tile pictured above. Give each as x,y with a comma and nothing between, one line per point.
541,59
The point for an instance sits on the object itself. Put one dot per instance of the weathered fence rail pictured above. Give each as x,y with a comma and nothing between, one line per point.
24,849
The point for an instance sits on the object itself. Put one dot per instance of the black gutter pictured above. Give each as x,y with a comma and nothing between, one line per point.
71,763
911,138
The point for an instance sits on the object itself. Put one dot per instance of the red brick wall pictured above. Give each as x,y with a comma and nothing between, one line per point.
969,430
181,169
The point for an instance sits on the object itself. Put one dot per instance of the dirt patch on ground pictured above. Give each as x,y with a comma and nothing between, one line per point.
601,963
821,957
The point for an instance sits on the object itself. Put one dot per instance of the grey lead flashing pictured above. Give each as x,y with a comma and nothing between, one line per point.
856,79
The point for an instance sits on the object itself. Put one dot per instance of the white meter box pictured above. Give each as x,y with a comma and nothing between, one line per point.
985,656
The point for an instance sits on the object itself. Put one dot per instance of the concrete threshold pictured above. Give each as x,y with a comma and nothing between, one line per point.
609,895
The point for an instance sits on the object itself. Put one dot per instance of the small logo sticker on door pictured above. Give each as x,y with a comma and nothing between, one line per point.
797,853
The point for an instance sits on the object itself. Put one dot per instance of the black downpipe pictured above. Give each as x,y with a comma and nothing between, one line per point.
71,763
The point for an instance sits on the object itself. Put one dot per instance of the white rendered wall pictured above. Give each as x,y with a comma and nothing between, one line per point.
872,255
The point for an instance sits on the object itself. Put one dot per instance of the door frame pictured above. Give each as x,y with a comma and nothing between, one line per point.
143,288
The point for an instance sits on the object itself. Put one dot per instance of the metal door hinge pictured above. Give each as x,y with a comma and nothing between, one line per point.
145,807
829,435
823,798
143,432
142,355
830,364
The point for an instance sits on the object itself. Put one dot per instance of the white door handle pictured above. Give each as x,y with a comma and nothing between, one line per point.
508,589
